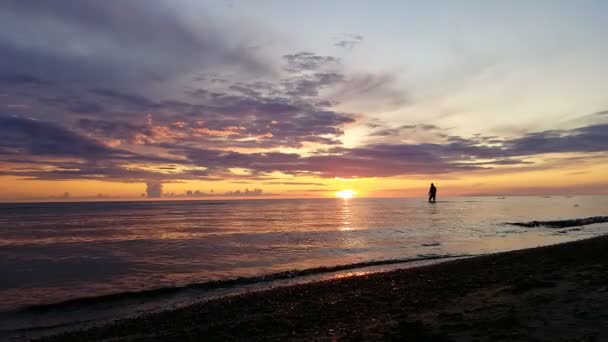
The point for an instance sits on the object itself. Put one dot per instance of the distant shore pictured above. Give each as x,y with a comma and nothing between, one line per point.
553,293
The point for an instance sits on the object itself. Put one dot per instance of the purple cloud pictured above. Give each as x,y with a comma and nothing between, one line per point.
25,141
86,41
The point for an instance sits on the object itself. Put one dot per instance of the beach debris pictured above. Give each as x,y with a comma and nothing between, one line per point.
430,244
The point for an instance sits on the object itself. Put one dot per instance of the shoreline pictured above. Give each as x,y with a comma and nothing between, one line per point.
231,283
550,293
106,309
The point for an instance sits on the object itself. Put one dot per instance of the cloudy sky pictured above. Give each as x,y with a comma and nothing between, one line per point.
187,98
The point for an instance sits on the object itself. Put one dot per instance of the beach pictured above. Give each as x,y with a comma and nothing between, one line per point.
552,293
214,170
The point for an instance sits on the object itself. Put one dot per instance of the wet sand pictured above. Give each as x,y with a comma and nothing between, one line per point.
555,293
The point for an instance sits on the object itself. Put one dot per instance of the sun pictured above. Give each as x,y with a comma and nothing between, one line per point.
348,193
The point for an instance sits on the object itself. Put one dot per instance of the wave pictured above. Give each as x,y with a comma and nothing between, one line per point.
562,223
227,283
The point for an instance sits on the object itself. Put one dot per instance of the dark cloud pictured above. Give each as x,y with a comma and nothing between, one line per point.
370,161
14,79
310,85
108,170
112,129
154,189
307,61
136,102
223,120
30,139
24,136
57,153
457,154
385,132
103,63
100,74
585,139
108,41
255,114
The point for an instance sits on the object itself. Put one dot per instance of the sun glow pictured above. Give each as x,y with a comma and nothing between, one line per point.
348,193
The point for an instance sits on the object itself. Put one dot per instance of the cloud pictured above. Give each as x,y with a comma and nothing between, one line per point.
26,141
223,120
54,152
285,112
584,139
103,42
92,54
311,84
155,97
22,136
114,129
154,189
369,91
308,61
383,132
134,101
383,160
349,41
17,79
296,183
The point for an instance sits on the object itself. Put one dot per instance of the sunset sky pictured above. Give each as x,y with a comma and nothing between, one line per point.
205,99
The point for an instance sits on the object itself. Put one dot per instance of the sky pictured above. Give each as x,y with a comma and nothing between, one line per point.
250,99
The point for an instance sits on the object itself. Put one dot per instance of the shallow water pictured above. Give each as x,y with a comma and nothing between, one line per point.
53,252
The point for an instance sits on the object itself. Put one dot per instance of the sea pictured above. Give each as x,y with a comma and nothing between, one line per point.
72,265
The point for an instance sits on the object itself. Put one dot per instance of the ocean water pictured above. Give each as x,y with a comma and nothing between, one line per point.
51,253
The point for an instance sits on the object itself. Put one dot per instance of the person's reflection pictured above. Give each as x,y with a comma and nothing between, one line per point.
433,210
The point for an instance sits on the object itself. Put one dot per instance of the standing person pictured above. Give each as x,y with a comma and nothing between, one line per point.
432,193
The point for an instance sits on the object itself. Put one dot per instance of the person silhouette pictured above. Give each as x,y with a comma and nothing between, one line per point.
432,193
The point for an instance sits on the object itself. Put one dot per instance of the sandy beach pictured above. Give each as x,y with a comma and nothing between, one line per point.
554,293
